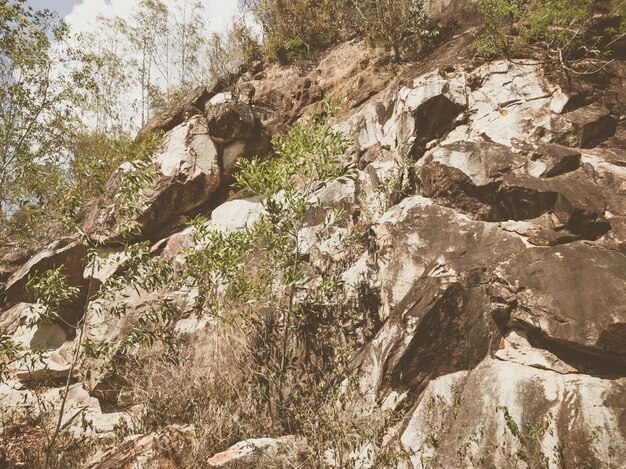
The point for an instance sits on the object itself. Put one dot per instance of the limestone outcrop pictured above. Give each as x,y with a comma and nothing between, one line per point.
500,273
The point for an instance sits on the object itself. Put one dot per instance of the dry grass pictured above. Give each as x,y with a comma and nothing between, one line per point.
213,388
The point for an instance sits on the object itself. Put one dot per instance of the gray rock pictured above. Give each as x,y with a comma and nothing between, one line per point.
259,452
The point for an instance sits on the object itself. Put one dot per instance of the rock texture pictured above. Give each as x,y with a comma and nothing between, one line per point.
500,268
260,452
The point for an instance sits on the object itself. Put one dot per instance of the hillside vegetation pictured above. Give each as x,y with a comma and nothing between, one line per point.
344,234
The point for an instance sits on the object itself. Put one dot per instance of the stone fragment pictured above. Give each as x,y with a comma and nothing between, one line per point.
259,452
146,450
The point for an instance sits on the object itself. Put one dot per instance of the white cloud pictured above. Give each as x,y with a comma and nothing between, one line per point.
218,13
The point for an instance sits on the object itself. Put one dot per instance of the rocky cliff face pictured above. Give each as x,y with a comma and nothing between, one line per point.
501,266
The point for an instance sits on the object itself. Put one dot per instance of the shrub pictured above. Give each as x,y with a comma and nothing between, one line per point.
396,24
295,31
275,358
567,30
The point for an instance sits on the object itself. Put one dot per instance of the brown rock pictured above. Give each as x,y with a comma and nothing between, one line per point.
143,449
67,253
229,121
176,115
551,160
466,176
574,295
259,452
592,125
188,173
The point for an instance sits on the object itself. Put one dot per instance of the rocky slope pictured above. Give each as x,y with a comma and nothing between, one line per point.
501,268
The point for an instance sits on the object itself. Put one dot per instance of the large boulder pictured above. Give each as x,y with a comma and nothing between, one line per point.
460,293
591,125
489,181
47,340
572,295
191,173
418,236
67,253
502,413
187,172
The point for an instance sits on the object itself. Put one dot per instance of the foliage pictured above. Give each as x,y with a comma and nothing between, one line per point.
228,51
296,31
134,177
158,54
35,104
95,156
396,24
285,323
567,30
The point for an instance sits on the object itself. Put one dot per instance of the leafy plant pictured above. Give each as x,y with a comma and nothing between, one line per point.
397,24
567,30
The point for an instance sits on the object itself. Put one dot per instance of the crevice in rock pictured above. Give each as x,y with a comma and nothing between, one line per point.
586,360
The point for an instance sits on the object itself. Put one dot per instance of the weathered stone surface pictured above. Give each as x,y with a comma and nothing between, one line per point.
191,167
112,319
488,181
516,347
259,452
549,160
574,295
193,104
188,173
467,175
230,120
456,423
145,450
557,311
80,408
501,284
237,214
406,118
461,12
20,323
418,236
573,198
591,125
66,253
47,339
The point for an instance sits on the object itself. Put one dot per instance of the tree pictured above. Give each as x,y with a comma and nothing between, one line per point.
228,51
35,103
280,299
108,104
149,23
52,293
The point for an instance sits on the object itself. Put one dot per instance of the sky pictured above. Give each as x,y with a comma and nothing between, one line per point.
63,7
80,13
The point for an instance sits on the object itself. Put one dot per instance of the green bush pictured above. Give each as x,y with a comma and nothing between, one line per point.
295,31
399,25
567,30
